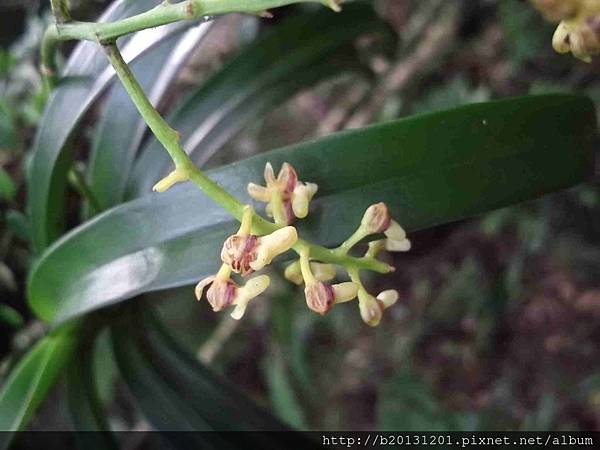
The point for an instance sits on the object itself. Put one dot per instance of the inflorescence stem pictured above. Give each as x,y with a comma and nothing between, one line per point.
184,166
163,14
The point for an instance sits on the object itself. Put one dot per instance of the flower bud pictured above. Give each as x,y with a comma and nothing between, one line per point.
272,245
344,292
387,298
176,176
371,311
320,297
376,218
301,197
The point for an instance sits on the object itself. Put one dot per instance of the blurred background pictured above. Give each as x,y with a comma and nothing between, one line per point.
498,325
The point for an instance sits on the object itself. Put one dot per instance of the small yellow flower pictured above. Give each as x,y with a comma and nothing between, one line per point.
286,197
371,308
246,253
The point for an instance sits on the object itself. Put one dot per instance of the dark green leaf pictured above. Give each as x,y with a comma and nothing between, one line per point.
429,169
176,392
18,224
121,129
296,54
10,316
283,397
32,378
7,186
86,75
406,403
84,403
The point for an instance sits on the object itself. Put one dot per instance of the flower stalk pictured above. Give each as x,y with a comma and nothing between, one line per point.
258,241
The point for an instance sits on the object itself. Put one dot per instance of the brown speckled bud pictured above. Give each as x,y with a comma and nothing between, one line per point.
221,294
239,251
320,297
376,218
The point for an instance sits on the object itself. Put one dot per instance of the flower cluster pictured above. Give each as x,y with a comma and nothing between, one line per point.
244,253
288,199
579,28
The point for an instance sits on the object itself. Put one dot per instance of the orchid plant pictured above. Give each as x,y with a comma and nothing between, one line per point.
328,209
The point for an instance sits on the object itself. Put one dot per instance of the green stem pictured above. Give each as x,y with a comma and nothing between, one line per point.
356,237
168,137
77,180
163,14
170,140
354,275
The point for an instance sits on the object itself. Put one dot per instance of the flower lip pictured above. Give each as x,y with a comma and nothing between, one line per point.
239,252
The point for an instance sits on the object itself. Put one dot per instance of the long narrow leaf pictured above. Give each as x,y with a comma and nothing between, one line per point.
32,378
429,169
84,404
176,378
86,76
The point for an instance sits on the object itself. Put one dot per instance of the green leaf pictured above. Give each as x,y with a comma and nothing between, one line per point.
429,169
119,133
296,54
7,186
282,392
176,392
406,403
86,75
18,224
85,407
10,316
32,378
